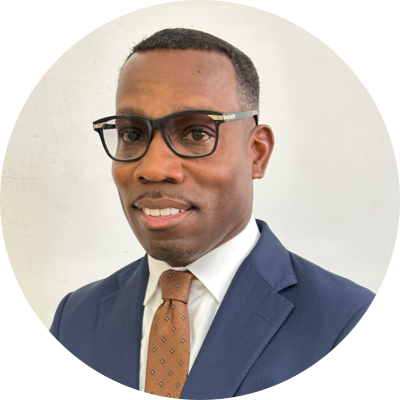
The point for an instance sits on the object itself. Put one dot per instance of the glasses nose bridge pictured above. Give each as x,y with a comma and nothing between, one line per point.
159,124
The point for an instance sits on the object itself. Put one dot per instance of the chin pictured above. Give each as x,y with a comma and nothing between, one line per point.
173,255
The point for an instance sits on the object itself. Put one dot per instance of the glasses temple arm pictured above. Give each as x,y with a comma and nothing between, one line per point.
241,115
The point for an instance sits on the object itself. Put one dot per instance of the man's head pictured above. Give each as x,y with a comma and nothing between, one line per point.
177,70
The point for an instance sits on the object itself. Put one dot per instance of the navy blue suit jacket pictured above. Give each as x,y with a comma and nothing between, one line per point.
280,315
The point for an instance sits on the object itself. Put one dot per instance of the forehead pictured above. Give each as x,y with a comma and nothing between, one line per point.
164,81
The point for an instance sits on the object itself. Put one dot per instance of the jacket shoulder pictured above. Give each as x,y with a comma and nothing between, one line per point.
82,305
108,285
327,285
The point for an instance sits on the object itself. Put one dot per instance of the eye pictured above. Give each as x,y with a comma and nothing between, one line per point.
198,134
130,135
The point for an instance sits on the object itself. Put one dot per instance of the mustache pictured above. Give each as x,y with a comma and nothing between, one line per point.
164,195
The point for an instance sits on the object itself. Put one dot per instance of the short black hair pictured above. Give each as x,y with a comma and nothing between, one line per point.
248,83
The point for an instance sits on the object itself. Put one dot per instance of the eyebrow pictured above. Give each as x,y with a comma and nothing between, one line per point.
142,113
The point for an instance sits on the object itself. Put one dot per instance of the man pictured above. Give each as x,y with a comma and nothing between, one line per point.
247,314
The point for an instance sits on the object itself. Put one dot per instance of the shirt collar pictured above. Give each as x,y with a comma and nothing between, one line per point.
215,269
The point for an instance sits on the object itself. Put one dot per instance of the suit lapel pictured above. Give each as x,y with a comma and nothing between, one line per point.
248,318
120,328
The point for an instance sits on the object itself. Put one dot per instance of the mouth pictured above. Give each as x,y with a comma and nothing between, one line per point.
162,218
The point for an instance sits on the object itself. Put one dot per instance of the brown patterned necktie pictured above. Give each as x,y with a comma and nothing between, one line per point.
169,342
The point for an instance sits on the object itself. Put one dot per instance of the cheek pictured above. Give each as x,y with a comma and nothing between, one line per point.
121,175
226,181
238,174
114,172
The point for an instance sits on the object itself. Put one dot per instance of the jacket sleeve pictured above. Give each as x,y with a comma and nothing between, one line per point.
355,358
53,346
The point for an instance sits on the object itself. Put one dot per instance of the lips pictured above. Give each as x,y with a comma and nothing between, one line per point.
153,223
164,212
161,203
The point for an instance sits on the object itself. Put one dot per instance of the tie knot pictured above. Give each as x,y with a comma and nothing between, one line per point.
175,285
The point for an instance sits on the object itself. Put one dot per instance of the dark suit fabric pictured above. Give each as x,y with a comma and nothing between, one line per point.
280,315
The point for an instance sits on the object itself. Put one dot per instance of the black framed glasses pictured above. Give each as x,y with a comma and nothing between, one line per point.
190,134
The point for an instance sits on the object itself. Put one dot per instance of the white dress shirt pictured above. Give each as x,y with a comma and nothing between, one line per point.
215,271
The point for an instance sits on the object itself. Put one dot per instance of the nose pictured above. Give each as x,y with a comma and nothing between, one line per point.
160,163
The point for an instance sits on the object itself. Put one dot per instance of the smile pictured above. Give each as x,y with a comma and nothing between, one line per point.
163,212
163,218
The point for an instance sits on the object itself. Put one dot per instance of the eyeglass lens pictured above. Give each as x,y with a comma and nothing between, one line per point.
190,134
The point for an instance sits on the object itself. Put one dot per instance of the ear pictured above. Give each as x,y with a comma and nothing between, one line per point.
262,146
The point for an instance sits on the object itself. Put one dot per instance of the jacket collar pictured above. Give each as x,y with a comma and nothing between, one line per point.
250,314
272,260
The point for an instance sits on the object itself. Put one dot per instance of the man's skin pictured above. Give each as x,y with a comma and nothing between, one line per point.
216,192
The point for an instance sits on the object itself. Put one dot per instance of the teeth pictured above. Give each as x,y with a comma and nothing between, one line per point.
161,212
155,213
165,211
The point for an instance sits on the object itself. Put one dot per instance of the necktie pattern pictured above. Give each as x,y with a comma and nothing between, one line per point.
169,342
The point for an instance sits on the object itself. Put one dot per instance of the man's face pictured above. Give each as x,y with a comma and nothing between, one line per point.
214,194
